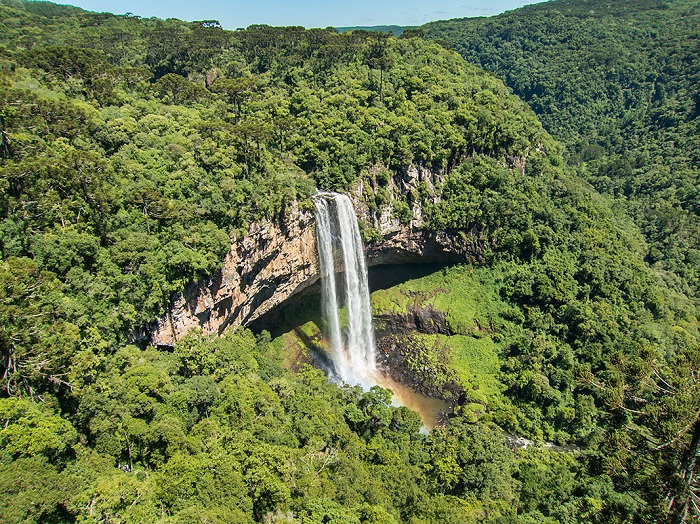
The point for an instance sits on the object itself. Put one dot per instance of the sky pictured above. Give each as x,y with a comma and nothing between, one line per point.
233,14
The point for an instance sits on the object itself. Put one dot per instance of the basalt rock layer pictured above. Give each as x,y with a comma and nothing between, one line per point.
273,261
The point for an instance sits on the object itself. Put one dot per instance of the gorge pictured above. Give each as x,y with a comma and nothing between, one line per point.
164,355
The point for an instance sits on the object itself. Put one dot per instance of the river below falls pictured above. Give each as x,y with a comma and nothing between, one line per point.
431,410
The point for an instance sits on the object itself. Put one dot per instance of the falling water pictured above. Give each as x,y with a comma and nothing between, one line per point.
344,285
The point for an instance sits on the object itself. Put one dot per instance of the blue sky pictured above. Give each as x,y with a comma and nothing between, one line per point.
309,13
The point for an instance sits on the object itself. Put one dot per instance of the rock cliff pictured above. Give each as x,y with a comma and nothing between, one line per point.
275,260
272,262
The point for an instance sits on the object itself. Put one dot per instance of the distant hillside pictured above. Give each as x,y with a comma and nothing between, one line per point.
619,82
395,30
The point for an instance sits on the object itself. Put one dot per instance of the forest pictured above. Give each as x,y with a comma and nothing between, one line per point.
134,151
618,84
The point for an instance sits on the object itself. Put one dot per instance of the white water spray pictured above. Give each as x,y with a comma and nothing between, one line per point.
344,285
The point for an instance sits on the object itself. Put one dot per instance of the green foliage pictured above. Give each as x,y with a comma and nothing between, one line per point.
170,438
33,491
36,342
133,150
29,430
618,84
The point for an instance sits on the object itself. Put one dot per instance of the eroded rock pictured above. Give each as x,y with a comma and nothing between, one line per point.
270,263
425,320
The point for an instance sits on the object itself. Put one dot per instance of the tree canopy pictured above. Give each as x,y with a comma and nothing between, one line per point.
134,151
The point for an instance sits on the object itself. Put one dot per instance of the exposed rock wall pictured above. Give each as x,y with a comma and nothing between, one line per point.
273,261
425,320
276,260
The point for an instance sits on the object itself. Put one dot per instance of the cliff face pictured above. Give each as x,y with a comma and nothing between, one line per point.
270,263
276,260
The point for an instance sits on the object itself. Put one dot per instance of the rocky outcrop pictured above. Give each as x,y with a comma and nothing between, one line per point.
276,260
272,262
420,363
425,320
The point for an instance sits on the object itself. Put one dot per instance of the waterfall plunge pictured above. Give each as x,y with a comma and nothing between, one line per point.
344,285
344,288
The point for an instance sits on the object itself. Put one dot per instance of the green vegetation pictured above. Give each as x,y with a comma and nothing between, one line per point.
474,315
461,292
618,83
395,30
217,429
134,150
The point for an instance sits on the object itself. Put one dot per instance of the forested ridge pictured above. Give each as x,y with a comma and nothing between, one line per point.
617,82
135,150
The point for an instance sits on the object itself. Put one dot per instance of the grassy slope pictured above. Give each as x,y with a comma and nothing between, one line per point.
475,315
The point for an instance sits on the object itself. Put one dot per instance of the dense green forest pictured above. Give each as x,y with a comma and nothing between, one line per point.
135,150
617,82
395,30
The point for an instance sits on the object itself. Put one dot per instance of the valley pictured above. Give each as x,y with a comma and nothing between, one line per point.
524,190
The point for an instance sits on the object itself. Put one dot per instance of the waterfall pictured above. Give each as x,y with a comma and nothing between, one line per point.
344,288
